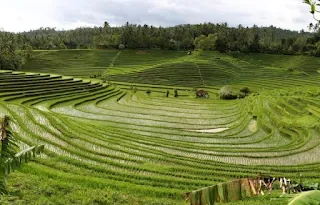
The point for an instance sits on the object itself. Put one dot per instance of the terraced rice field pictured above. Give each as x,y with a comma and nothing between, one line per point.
106,144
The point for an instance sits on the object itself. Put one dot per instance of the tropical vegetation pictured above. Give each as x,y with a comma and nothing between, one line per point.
108,141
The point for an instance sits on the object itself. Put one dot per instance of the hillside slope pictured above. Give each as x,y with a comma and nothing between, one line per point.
169,68
107,144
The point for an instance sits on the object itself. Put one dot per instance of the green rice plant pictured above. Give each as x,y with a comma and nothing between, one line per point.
109,138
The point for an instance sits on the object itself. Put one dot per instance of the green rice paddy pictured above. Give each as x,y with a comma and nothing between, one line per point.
106,143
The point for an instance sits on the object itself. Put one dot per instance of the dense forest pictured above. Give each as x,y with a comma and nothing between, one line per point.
13,51
15,48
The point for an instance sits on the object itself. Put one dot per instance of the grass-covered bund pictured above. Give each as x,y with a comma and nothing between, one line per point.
108,143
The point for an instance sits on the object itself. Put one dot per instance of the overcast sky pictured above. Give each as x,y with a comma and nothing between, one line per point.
22,15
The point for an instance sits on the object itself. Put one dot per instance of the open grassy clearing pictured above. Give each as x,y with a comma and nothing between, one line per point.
107,144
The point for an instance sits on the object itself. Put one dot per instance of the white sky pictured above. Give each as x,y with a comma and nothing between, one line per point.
22,15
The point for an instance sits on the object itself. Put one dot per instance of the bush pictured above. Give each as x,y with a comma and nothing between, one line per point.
121,46
176,93
226,93
173,45
245,90
62,46
11,61
134,89
28,52
235,54
242,95
96,75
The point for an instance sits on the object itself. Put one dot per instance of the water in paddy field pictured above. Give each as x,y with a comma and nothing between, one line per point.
147,143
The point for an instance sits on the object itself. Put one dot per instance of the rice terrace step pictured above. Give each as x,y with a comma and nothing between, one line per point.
158,145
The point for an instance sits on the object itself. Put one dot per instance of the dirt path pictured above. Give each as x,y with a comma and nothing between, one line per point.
114,59
199,71
111,64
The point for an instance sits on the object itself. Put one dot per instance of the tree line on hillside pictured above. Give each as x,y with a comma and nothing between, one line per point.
207,36
14,51
16,47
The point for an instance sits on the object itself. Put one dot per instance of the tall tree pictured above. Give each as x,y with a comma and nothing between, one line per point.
255,44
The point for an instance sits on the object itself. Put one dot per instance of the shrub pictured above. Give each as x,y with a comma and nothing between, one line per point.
226,93
173,45
28,52
235,54
245,90
62,46
104,78
176,93
241,95
134,89
121,46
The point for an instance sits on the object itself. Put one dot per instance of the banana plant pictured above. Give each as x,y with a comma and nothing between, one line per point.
314,10
10,156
